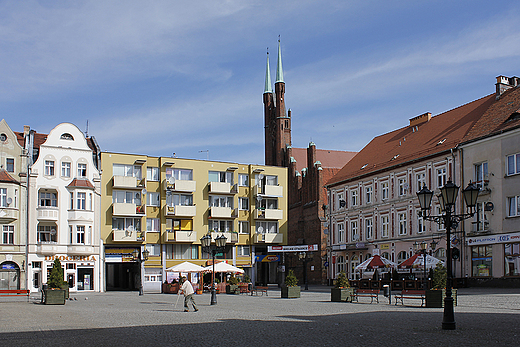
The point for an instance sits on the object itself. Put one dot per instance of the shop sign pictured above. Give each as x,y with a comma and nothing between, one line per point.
70,257
302,248
385,246
491,239
267,258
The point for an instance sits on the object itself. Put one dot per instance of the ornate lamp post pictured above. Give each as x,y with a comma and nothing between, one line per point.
220,245
305,257
140,260
450,220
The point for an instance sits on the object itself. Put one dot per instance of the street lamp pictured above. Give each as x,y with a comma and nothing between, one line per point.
220,245
305,257
421,249
450,220
135,255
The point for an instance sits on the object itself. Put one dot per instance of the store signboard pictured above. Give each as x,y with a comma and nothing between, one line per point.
491,239
300,248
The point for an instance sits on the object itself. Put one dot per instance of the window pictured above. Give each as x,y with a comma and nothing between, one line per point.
340,264
421,180
243,227
513,206
82,170
9,164
341,233
243,180
3,197
81,201
153,249
421,226
368,194
268,204
354,197
440,227
153,199
481,261
243,251
513,164
402,185
180,251
369,228
8,234
220,225
127,170
480,220
126,224
220,201
179,225
243,203
385,226
46,233
218,176
402,256
49,168
80,234
153,224
152,174
341,200
267,227
65,169
402,223
384,190
47,199
441,177
354,230
512,258
66,136
180,174
126,197
481,175
179,199
385,255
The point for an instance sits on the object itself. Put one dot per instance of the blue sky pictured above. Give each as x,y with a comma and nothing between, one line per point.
185,77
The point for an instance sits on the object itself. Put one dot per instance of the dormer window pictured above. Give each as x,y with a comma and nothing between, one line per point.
67,136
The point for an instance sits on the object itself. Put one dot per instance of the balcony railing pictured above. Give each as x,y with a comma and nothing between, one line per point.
181,186
221,212
124,209
269,238
126,182
268,214
180,236
126,235
48,213
230,236
222,188
267,190
180,211
8,214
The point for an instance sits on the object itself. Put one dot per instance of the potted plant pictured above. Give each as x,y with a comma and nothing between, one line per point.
54,294
342,290
435,296
232,286
291,289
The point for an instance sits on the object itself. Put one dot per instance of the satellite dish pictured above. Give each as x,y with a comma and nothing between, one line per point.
260,230
171,180
259,198
53,231
131,228
261,176
9,201
144,191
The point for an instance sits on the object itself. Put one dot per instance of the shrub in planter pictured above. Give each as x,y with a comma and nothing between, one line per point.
291,289
232,286
342,291
54,294
435,296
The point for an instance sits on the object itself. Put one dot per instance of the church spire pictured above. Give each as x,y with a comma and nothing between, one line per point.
279,70
268,88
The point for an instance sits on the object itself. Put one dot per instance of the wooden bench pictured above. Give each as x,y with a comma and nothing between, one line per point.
259,290
410,294
369,293
15,292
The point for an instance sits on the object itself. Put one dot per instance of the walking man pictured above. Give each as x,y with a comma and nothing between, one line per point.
187,290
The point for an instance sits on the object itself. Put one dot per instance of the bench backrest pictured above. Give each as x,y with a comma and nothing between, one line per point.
14,291
413,291
367,291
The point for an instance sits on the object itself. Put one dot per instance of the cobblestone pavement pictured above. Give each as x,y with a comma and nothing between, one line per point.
488,317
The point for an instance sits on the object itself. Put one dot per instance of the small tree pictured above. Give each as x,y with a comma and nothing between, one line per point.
342,281
290,279
233,280
439,277
56,275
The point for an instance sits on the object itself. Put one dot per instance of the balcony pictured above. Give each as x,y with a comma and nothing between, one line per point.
220,212
125,182
269,238
80,250
268,214
222,188
124,209
82,215
49,248
180,236
180,211
8,214
231,237
181,186
126,235
48,213
274,191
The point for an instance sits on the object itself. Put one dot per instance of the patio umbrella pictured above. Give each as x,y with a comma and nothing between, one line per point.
185,267
375,262
223,267
417,262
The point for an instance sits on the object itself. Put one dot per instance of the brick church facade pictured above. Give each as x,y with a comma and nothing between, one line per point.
308,170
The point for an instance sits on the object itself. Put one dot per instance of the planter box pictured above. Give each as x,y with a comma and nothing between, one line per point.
65,287
341,294
54,297
435,298
171,288
291,292
232,289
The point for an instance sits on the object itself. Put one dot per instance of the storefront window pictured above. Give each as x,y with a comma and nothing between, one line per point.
512,258
481,260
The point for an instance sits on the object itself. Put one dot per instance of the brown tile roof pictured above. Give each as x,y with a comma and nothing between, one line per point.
6,178
502,116
39,139
402,146
81,182
327,158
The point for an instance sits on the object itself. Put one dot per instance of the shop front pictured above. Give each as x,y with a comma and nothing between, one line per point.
122,270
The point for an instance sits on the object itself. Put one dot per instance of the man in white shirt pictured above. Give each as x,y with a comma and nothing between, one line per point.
187,290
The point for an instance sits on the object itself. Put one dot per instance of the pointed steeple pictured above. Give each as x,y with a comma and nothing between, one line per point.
268,88
279,70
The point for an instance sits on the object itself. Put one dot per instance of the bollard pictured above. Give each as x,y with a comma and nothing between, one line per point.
387,293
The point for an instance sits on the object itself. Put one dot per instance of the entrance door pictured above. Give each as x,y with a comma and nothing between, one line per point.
9,276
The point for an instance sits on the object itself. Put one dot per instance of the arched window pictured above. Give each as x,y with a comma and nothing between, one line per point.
67,136
402,256
386,255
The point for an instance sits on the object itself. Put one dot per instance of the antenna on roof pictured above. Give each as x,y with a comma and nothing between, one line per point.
86,131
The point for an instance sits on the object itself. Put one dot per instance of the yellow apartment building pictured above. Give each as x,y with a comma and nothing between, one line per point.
166,205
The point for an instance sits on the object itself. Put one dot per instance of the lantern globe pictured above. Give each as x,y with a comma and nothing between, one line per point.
470,194
425,198
449,193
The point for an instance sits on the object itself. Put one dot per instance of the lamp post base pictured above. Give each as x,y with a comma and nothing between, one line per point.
213,296
448,321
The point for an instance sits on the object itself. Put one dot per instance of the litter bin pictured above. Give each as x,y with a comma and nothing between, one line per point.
387,293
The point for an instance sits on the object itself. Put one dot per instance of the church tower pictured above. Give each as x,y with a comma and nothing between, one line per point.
277,126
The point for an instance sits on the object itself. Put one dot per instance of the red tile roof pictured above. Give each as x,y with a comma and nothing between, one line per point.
81,182
5,177
39,139
327,158
402,146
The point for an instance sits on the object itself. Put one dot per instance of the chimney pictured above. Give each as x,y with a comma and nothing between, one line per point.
26,130
423,118
504,83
